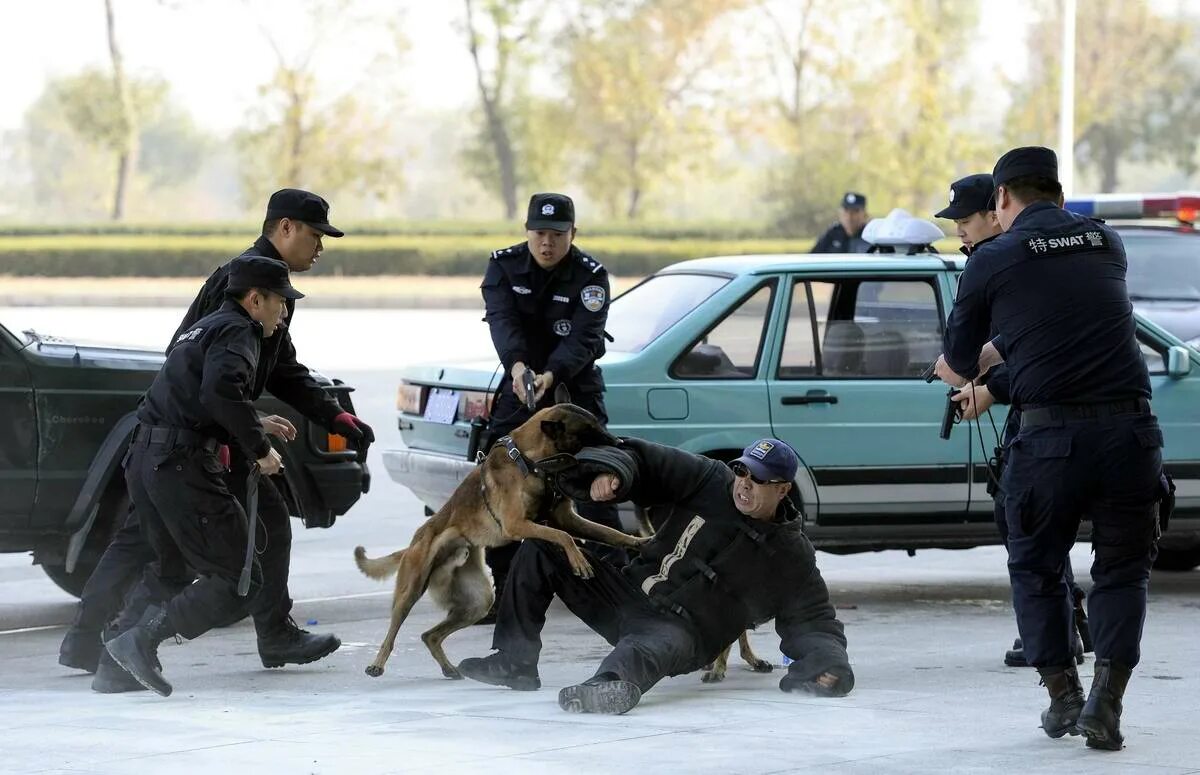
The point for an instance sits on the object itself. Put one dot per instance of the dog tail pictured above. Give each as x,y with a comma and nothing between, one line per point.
378,568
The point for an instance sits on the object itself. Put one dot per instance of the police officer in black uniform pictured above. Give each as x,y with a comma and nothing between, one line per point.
296,221
202,398
845,236
1053,286
546,303
972,207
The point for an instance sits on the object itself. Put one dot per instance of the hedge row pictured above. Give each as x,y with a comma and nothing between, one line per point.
184,256
500,230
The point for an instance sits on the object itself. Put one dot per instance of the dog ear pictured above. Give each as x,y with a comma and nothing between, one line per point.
554,429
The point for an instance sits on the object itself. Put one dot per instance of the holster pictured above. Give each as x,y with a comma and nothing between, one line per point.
1166,501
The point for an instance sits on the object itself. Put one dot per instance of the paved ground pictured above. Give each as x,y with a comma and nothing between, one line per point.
926,637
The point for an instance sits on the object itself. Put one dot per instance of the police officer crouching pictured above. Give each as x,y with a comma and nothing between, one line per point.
546,305
201,399
972,207
1053,286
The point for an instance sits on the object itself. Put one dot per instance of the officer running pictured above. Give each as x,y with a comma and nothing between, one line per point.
1053,286
546,305
295,223
972,207
202,398
845,236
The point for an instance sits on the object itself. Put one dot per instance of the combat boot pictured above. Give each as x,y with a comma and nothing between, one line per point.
1100,721
498,670
81,649
605,693
284,642
1066,700
136,650
111,678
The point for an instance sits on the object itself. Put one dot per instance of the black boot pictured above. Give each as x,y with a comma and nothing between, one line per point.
284,642
1066,700
498,670
1015,656
111,678
605,693
137,649
1100,721
81,649
1081,622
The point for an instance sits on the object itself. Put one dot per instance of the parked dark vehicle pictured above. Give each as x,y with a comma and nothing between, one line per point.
66,415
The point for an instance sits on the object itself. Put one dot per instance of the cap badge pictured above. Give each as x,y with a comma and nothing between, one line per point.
547,209
761,449
951,196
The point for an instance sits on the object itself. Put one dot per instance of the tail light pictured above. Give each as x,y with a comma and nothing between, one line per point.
410,399
474,403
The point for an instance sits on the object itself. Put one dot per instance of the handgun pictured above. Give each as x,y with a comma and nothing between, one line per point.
528,379
953,410
929,373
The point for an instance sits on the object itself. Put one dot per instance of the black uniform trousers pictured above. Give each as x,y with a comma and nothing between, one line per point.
648,644
1105,470
1011,426
129,552
510,413
192,521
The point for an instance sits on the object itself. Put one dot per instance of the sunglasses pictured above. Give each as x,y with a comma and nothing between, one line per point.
739,470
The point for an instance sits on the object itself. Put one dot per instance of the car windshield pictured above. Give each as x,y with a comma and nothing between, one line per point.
639,316
1163,266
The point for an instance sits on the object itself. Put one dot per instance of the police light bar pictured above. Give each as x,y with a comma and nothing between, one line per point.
1182,207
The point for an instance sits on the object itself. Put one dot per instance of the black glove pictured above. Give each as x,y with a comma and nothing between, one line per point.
794,683
576,482
346,424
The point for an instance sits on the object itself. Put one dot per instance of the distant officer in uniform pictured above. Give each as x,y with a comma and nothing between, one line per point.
972,207
296,221
845,236
202,398
546,305
1053,287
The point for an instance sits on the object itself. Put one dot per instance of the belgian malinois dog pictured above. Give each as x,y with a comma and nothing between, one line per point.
497,503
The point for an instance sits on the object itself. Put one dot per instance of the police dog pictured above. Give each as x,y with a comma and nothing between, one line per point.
497,503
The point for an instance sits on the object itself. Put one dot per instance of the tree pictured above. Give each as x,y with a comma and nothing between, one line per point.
124,131
495,38
1137,95
301,135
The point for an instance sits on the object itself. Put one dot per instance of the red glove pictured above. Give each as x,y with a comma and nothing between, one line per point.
346,424
223,456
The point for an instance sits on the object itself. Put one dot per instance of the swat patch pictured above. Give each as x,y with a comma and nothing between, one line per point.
190,336
562,327
761,450
593,297
1059,244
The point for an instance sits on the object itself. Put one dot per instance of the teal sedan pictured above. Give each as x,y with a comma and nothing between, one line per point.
825,352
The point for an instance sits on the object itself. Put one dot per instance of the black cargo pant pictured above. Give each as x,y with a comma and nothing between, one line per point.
192,521
1107,470
648,644
509,413
128,553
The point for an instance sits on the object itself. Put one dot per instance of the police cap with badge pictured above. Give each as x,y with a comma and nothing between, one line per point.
299,205
852,200
969,195
553,212
269,274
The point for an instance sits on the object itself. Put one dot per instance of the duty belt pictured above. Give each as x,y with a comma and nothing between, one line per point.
145,435
1064,413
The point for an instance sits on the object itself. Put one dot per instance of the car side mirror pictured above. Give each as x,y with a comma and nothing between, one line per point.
1179,362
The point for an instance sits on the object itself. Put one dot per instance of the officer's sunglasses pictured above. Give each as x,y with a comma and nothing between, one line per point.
739,470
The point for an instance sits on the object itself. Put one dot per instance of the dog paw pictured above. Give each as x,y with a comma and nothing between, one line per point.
761,666
374,671
450,672
713,676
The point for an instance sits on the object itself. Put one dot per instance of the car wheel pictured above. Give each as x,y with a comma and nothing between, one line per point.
111,516
1178,557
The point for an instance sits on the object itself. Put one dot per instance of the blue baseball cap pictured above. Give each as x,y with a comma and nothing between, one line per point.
770,459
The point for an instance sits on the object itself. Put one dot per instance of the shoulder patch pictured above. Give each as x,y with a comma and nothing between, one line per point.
589,263
1058,244
593,298
189,336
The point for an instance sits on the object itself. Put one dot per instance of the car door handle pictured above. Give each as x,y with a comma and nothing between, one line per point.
811,397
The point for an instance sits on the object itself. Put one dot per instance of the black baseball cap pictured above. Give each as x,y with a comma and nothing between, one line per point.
1031,160
303,206
270,274
555,212
852,200
770,460
969,195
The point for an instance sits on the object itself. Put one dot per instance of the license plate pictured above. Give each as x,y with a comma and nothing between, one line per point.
441,406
